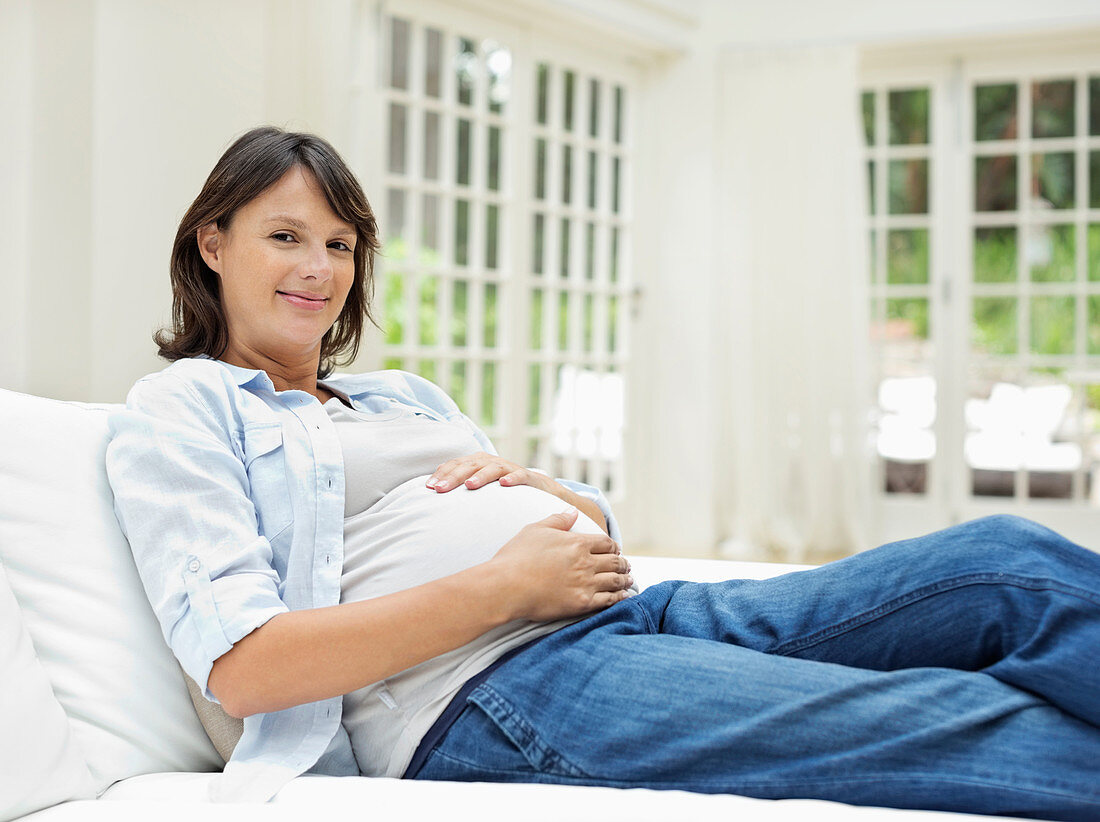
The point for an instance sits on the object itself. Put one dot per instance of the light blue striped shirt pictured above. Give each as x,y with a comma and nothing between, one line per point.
232,497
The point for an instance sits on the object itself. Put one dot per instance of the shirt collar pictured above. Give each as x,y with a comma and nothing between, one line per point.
244,376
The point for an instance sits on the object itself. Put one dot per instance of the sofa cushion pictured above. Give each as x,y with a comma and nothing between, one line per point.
40,764
82,601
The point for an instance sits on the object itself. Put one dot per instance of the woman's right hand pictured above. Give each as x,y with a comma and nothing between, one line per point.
552,573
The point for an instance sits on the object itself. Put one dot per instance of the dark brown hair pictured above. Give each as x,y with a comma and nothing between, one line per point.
254,163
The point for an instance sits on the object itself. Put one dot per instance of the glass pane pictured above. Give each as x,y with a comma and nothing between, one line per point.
872,239
567,174
462,232
619,114
534,390
995,183
563,321
488,393
459,317
1094,106
542,93
614,270
537,245
1052,325
430,245
1050,253
868,100
1090,422
995,112
871,186
462,152
909,117
536,341
1052,179
394,363
540,169
993,445
593,108
905,440
592,165
433,63
1094,179
395,214
465,71
612,324
908,181
1094,326
489,330
400,32
615,168
907,256
428,315
494,159
563,248
909,317
589,251
1052,109
426,369
398,129
457,388
498,64
994,327
1050,422
492,216
393,302
994,255
589,322
567,100
1094,252
431,145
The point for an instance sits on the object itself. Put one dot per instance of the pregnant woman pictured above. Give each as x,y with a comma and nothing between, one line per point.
347,564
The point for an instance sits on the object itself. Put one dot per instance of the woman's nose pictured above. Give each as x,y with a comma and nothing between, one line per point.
318,264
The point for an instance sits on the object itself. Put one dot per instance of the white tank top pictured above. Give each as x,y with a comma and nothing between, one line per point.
399,534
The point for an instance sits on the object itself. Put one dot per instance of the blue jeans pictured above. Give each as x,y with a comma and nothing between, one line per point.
958,671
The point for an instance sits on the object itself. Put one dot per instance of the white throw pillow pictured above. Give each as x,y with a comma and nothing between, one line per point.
40,764
82,601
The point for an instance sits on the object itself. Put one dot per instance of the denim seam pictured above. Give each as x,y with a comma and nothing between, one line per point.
796,645
650,626
521,733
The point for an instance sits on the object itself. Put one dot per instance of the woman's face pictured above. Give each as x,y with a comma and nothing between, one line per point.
286,265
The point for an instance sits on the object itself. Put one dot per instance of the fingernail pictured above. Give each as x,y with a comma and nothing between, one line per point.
629,579
431,482
570,510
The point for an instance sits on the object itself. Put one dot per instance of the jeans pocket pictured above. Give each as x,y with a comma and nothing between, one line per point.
523,735
265,465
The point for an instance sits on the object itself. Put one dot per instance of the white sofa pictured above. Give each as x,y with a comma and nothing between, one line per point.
95,719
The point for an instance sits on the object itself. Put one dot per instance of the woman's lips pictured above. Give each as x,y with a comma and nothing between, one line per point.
301,301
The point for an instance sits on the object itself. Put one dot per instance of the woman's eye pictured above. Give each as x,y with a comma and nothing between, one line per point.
283,236
339,245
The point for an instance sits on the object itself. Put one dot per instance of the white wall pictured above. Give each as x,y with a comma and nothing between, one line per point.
752,23
119,109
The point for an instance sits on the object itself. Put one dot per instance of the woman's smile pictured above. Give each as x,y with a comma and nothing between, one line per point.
303,299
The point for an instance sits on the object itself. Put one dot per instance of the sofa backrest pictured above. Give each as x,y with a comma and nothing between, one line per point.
83,605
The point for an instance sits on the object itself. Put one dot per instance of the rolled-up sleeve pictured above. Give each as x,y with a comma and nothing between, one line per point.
181,495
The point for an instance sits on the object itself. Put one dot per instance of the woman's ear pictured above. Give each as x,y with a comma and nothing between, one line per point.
209,239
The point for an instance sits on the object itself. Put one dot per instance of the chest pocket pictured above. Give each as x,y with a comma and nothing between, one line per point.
265,464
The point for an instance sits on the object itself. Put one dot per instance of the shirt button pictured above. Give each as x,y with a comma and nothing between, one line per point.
193,566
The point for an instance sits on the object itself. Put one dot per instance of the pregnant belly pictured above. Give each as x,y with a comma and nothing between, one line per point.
414,534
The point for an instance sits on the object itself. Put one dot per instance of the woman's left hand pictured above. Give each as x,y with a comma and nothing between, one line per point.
477,470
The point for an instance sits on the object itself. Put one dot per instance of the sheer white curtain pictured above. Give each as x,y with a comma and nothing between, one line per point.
795,463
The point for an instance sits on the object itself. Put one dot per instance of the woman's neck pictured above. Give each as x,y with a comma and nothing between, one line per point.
286,375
